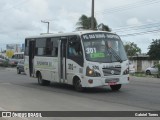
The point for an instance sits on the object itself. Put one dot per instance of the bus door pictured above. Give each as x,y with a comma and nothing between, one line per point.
62,66
31,56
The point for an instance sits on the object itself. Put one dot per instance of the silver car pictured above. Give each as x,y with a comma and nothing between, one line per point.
152,70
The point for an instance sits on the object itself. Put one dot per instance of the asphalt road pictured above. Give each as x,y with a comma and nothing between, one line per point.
20,92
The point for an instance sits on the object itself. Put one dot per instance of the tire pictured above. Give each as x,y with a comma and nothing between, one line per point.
41,81
77,85
148,72
115,87
18,71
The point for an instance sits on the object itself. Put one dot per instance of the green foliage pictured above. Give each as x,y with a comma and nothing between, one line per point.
84,23
132,49
4,64
104,27
154,50
158,65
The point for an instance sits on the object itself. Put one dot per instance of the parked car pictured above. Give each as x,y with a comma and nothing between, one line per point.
16,58
131,68
20,67
13,62
3,62
152,70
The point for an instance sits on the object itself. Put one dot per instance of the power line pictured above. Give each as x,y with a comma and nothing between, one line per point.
130,28
140,33
127,7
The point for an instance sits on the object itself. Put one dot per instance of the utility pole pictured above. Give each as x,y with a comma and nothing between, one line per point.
92,16
47,23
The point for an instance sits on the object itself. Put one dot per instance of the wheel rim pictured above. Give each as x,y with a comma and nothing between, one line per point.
148,72
78,85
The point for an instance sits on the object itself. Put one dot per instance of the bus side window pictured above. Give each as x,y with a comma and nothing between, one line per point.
40,46
55,46
48,48
72,50
26,47
75,50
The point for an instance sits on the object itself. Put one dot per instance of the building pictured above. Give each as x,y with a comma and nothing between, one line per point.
142,61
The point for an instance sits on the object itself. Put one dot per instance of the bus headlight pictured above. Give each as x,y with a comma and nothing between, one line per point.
92,73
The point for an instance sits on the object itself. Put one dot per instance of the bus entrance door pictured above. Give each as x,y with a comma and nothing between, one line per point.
63,52
31,56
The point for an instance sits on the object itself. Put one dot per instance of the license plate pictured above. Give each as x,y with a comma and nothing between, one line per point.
112,80
112,83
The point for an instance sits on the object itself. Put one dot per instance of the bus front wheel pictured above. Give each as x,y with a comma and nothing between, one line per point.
115,87
78,85
41,81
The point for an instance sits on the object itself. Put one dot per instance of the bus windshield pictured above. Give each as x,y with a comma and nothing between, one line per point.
103,47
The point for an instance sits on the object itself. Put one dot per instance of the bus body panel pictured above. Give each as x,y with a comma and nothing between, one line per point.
73,69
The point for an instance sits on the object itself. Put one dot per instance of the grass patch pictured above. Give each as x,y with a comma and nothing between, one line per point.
141,74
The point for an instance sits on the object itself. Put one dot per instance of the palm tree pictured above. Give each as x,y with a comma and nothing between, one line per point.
85,23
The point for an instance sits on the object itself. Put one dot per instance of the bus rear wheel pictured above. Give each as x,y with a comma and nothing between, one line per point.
115,87
41,81
78,85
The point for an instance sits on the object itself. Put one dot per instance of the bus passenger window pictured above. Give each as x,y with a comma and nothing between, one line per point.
75,52
48,47
55,46
72,51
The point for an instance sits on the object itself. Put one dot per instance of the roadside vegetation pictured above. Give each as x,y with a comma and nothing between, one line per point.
143,74
4,64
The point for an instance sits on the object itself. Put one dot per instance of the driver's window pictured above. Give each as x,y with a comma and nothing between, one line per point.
74,47
75,50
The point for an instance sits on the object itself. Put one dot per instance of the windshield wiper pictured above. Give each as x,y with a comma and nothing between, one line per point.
115,54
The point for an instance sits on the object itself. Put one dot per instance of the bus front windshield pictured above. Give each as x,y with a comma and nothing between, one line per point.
103,48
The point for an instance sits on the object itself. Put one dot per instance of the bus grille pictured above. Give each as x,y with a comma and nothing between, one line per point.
111,71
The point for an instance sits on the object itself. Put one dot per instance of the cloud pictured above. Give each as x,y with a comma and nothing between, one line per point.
20,19
133,22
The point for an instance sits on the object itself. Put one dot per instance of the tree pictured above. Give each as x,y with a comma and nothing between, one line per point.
154,49
132,49
84,23
104,27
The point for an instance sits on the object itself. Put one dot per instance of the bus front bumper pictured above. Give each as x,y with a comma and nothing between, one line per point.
105,81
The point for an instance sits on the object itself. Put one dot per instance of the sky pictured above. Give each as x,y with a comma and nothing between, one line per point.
135,21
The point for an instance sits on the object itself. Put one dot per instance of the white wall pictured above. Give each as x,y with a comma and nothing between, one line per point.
145,64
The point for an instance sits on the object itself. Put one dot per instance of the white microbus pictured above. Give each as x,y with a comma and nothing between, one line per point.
18,56
83,59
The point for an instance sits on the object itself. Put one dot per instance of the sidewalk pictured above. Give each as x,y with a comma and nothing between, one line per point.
8,68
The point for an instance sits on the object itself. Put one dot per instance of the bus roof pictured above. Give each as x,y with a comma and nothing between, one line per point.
66,34
18,53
